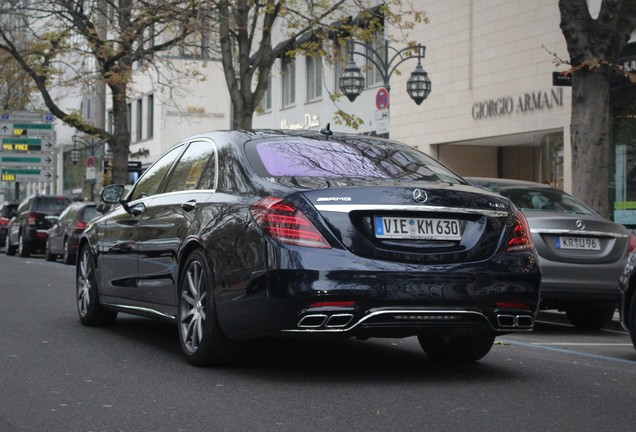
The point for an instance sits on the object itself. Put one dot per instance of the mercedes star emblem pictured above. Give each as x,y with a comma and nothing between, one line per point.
420,195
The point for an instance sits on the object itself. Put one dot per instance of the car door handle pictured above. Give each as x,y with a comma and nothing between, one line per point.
189,205
137,209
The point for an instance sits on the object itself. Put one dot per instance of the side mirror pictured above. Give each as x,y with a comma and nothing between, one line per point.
112,194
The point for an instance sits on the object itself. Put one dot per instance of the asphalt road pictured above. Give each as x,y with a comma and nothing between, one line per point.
56,375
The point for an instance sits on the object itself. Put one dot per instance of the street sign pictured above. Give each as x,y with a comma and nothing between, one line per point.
26,174
91,173
26,116
382,99
24,144
33,160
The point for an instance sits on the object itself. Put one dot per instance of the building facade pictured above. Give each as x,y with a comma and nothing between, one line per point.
496,108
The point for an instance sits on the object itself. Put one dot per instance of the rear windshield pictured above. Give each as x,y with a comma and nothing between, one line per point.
304,157
9,210
51,204
545,200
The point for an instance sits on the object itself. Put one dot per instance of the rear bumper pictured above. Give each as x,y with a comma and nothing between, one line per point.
494,298
564,285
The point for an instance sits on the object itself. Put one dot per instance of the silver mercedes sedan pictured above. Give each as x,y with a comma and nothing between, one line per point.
581,253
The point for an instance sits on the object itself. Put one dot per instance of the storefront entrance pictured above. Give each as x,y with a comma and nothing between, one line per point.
540,160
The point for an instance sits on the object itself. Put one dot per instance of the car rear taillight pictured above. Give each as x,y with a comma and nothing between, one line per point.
632,244
520,239
4,221
283,222
32,218
80,225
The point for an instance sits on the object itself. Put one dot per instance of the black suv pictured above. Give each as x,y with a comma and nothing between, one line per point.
7,210
27,231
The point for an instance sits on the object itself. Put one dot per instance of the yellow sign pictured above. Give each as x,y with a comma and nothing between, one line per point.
8,177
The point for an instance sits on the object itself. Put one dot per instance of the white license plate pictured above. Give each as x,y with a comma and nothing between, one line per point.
417,228
580,243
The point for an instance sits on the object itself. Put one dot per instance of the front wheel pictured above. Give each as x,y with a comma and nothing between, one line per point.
68,257
24,249
47,252
202,341
458,349
91,312
590,318
8,249
631,323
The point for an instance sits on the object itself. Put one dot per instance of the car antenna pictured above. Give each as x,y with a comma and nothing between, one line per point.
326,131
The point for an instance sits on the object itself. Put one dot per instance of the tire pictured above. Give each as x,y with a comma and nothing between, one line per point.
200,336
590,318
456,349
91,312
47,252
67,257
24,250
8,249
631,321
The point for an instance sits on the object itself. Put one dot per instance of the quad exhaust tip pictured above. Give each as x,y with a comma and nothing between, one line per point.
314,321
515,321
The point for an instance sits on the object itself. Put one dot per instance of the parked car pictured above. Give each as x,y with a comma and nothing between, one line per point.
581,253
237,235
7,210
27,231
627,297
63,236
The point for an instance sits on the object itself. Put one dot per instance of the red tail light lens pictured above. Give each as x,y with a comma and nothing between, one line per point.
632,244
80,225
520,239
4,221
32,218
283,222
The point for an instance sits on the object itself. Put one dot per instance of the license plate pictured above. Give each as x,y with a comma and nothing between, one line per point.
417,228
580,243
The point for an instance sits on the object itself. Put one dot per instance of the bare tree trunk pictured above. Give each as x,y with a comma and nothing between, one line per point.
590,139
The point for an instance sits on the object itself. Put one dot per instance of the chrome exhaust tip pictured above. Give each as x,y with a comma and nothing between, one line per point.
339,320
506,321
312,321
515,321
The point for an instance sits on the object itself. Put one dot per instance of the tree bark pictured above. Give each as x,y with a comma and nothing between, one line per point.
594,46
589,131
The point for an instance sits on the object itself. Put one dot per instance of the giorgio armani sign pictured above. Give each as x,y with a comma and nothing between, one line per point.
524,103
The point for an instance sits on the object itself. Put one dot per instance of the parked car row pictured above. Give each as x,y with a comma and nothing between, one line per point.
45,224
237,235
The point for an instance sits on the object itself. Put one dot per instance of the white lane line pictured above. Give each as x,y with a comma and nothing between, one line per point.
567,351
580,344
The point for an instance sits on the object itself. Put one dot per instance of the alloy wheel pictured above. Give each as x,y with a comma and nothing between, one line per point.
84,283
193,307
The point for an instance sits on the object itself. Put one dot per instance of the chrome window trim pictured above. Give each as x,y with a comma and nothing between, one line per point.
578,233
347,208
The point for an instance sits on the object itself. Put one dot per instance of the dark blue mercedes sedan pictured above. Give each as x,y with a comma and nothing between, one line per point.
237,235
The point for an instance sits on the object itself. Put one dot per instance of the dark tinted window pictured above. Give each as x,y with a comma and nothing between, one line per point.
303,157
8,210
50,204
150,182
190,167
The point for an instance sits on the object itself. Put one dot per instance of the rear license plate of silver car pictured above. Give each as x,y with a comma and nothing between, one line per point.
392,227
579,243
